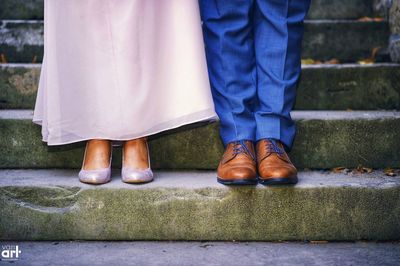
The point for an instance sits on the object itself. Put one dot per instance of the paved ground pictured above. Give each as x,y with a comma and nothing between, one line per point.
205,253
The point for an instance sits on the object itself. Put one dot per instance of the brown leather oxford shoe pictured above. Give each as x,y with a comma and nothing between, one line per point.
274,165
238,164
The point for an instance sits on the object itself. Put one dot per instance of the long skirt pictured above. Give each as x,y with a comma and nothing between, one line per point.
121,69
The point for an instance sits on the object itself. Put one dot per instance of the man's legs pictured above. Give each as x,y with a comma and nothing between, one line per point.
228,35
278,32
278,36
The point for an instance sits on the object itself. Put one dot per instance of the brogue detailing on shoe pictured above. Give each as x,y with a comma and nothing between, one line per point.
239,147
271,146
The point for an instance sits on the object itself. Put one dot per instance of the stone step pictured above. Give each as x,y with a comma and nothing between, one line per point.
323,87
325,139
200,253
320,9
54,205
343,9
21,9
346,40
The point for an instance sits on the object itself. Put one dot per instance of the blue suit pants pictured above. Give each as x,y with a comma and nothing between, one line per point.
253,50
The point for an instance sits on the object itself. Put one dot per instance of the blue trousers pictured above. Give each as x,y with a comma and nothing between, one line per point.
253,50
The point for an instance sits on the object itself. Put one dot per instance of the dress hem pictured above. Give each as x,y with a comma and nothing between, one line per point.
202,116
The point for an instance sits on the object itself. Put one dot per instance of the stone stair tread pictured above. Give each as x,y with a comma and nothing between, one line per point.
337,9
346,40
334,21
324,140
342,9
25,114
155,253
322,87
55,178
191,205
316,66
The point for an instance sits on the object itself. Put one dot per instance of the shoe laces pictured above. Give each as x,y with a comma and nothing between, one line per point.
273,147
241,147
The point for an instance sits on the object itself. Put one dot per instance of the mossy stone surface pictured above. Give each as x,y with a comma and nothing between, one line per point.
324,140
320,9
355,208
21,9
341,87
347,41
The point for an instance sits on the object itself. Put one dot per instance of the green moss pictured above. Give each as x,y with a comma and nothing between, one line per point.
355,88
341,9
320,9
347,42
18,87
268,214
21,9
319,144
356,41
335,88
47,197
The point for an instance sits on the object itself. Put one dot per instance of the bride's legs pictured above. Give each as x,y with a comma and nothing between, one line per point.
96,167
135,162
136,154
98,154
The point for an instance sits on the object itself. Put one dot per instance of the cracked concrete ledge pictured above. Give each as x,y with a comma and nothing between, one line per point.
54,205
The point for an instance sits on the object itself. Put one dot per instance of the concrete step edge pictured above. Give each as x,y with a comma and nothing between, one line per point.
54,205
194,179
319,66
155,253
26,114
319,21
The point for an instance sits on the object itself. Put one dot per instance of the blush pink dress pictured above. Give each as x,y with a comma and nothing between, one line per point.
121,69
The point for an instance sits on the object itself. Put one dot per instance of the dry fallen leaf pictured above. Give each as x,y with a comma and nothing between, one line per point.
369,19
368,170
3,59
307,61
366,62
310,61
333,61
372,58
361,169
389,172
338,169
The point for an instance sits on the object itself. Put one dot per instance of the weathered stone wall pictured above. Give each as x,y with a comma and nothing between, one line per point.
394,22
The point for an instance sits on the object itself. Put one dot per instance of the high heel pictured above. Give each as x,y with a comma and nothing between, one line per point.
137,176
96,176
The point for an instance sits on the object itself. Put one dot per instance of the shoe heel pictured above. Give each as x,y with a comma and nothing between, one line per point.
137,176
97,176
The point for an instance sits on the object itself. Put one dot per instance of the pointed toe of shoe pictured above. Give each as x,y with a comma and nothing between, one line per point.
96,177
136,176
